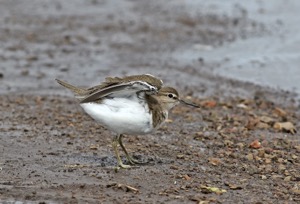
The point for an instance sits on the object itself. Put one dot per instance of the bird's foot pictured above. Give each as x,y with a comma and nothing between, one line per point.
124,166
134,161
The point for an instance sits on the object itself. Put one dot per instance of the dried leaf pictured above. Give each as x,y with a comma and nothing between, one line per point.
209,104
180,156
233,186
279,112
201,199
174,167
94,147
262,125
285,126
287,178
297,147
186,177
214,161
294,156
255,144
209,189
204,202
296,189
124,187
243,106
266,119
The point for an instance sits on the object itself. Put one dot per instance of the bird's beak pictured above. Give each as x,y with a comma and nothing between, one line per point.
188,103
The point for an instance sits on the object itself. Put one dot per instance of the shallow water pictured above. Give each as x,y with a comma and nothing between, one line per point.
271,59
254,42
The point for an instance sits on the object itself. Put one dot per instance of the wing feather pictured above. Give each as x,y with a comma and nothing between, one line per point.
120,90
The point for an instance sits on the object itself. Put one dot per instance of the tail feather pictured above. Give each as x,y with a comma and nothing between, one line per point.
78,91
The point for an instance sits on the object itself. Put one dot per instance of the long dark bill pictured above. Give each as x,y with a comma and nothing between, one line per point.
189,103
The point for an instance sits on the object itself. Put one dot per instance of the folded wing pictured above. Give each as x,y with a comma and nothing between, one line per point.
120,90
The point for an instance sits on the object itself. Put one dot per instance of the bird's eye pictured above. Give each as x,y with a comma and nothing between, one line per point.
170,95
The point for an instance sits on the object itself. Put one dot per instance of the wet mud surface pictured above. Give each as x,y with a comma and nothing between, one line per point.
241,146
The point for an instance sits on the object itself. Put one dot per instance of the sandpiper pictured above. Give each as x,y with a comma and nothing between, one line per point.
137,104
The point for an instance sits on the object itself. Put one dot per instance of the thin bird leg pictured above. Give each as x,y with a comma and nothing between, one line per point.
129,158
115,143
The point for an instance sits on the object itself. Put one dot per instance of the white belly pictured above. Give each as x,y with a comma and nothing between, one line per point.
121,115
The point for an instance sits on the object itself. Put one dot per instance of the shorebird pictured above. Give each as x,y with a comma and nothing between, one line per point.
137,104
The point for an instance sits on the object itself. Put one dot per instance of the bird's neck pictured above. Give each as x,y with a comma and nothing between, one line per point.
159,112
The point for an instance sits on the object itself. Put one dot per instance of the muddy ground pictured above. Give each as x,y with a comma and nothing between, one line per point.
241,146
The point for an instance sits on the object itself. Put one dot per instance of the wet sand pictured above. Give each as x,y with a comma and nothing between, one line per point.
229,150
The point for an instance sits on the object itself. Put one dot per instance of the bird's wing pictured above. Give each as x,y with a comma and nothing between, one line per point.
120,90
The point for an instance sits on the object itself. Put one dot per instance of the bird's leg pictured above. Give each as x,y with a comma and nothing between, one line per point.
115,143
129,158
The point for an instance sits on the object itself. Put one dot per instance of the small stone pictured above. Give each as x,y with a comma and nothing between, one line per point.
263,177
174,167
276,176
281,167
240,145
268,161
180,156
255,144
294,156
288,178
250,157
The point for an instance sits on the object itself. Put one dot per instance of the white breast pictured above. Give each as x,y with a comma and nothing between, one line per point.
121,115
